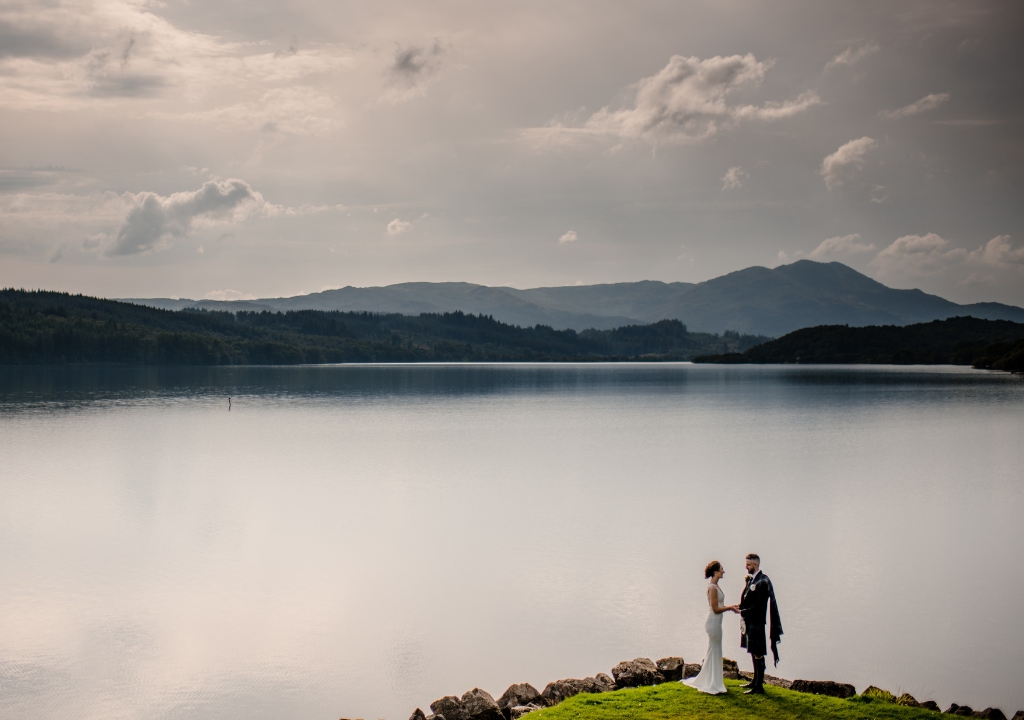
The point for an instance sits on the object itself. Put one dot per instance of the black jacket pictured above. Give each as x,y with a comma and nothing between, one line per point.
754,609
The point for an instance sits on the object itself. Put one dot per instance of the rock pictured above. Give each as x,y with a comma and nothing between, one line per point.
776,681
479,705
671,668
636,673
691,670
449,706
908,700
1018,716
605,681
990,713
557,691
961,710
824,687
435,717
417,715
878,694
521,695
931,705
730,669
594,685
518,711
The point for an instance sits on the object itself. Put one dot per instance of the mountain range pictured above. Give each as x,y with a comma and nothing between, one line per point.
756,300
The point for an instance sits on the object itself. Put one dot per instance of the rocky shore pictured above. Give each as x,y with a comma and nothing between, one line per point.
523,698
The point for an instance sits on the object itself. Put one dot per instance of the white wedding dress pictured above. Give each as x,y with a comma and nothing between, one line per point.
709,680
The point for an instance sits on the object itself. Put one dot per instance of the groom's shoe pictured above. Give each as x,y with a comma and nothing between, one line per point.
758,690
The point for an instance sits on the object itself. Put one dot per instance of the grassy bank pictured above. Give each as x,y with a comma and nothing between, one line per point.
675,700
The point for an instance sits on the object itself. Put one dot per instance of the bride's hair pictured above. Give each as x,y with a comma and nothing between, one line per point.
711,568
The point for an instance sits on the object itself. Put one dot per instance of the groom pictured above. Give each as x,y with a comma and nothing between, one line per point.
753,611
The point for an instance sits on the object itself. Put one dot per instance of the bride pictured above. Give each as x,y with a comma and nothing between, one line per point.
710,678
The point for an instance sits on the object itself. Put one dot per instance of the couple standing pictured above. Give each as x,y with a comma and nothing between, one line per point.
753,611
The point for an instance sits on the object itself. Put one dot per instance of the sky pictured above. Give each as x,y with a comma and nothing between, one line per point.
234,149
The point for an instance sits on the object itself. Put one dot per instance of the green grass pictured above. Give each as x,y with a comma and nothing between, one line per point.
675,700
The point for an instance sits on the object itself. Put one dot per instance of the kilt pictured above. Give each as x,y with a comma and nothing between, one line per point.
754,640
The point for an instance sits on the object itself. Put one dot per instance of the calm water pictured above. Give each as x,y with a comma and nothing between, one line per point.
358,541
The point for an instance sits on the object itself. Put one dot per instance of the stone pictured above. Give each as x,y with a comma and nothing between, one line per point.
824,687
932,705
449,706
730,669
907,700
479,705
518,695
990,713
671,668
435,717
557,691
878,693
518,711
1019,715
605,681
592,685
417,714
775,681
636,673
691,670
961,710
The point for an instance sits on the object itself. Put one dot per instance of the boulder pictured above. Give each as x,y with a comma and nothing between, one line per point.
961,710
479,705
518,711
636,673
518,695
605,682
776,681
557,691
1019,715
730,669
593,685
933,706
908,700
990,713
417,714
824,687
878,693
691,670
449,706
671,668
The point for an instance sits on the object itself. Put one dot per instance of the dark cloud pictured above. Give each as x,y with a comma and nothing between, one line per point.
415,62
127,86
42,42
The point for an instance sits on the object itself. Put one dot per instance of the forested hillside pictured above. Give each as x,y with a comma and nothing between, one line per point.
995,344
48,327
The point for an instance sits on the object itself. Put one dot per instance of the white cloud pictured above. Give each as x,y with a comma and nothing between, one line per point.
397,227
228,295
839,164
841,246
152,219
568,237
917,256
852,55
733,178
686,101
928,102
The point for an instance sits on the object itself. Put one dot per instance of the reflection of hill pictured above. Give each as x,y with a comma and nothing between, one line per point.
996,344
756,300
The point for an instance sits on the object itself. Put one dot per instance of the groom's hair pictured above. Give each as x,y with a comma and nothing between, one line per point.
754,556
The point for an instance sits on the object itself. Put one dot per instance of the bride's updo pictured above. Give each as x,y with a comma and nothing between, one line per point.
711,568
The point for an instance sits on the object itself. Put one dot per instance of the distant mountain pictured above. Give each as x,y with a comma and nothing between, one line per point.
990,344
756,300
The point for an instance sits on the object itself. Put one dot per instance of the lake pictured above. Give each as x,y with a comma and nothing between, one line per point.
357,541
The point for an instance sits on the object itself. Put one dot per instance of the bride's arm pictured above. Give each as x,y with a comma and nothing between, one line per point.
713,599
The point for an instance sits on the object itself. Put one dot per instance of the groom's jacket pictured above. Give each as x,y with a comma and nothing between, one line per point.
757,593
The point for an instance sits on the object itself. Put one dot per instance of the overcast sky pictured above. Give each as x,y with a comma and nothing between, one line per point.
236,148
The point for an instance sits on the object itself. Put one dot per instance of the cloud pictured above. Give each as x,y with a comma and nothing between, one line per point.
917,256
733,178
840,246
412,71
397,227
228,295
568,237
153,219
686,101
852,55
928,102
839,164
